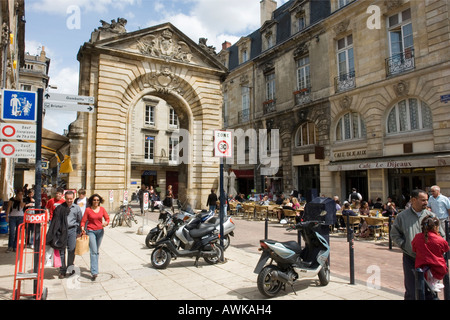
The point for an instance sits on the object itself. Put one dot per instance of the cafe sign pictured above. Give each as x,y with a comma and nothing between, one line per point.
391,164
350,154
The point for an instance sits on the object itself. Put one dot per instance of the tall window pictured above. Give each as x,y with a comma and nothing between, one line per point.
270,87
245,98
301,23
306,134
150,115
346,63
149,148
409,115
244,55
350,126
173,149
303,74
400,33
173,118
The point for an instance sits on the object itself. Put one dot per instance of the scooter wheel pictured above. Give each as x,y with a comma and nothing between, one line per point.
160,258
218,257
324,275
268,286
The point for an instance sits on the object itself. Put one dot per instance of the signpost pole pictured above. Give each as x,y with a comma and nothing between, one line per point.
38,180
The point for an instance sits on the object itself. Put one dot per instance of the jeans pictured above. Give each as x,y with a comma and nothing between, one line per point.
71,244
95,239
14,223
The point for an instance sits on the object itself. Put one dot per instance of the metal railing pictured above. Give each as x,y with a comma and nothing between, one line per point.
302,96
400,63
269,106
345,81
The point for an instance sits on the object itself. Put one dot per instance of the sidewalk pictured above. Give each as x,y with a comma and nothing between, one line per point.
126,274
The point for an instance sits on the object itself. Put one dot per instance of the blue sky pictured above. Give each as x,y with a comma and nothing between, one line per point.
63,26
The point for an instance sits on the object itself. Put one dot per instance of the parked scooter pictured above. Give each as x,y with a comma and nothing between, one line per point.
166,221
194,239
291,262
228,227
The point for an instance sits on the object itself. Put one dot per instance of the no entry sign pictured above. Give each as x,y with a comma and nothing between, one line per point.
223,144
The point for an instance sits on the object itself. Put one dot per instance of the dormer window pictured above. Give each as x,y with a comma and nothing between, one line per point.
244,45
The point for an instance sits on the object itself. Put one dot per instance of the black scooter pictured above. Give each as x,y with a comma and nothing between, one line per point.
289,262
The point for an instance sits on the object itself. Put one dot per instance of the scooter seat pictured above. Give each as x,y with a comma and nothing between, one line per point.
293,245
204,229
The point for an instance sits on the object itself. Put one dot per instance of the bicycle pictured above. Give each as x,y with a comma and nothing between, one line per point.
126,215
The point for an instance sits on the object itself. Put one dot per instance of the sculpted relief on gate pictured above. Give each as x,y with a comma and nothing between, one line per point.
165,46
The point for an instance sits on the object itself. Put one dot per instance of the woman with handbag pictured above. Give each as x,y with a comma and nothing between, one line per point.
97,218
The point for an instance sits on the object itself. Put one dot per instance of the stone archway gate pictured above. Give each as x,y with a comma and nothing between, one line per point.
118,69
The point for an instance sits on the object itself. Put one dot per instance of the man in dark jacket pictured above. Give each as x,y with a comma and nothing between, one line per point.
63,231
212,201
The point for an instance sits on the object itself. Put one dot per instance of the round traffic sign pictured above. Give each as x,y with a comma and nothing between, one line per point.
8,131
8,150
223,146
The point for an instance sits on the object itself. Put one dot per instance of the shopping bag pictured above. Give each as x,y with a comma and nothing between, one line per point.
82,245
56,259
49,256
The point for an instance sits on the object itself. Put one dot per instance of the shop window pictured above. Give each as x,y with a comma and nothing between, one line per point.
306,135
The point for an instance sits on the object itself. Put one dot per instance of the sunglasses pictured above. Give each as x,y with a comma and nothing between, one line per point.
95,199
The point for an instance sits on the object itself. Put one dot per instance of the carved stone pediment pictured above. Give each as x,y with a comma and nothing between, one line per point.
163,45
302,49
341,27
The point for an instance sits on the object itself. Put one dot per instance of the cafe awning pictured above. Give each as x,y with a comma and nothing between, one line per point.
53,145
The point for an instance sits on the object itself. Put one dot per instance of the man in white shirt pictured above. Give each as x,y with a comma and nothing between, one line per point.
439,205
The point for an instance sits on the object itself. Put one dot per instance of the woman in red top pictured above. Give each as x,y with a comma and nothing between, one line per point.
94,216
430,247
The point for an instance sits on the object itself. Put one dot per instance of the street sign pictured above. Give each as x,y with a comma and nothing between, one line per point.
445,98
17,150
223,144
64,106
19,105
17,131
145,207
68,98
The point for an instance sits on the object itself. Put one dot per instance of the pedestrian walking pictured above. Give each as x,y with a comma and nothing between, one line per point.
439,205
65,231
54,202
97,218
430,247
212,201
141,193
407,225
14,215
354,196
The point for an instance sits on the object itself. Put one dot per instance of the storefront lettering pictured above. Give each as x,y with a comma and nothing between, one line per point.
386,165
349,154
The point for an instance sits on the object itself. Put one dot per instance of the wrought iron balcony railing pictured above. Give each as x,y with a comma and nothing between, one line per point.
401,62
244,116
302,96
269,106
345,81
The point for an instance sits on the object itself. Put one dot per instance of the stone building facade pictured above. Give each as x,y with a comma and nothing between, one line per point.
357,90
158,100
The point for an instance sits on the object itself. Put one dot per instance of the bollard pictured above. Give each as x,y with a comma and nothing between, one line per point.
266,226
420,284
389,229
350,241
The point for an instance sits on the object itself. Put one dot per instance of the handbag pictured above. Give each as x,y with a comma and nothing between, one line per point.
82,245
56,258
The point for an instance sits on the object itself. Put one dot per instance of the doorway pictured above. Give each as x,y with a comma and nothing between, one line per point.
172,179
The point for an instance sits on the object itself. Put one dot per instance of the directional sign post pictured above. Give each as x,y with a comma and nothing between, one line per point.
68,102
64,106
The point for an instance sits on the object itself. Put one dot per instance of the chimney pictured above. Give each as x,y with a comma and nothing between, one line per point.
226,45
42,56
267,8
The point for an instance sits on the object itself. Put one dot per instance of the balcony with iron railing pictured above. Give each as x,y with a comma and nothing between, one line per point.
345,81
270,106
400,62
244,116
302,96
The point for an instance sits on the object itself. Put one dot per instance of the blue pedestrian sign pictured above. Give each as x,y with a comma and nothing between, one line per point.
19,105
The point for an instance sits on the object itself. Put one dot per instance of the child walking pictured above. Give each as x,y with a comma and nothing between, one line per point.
430,247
